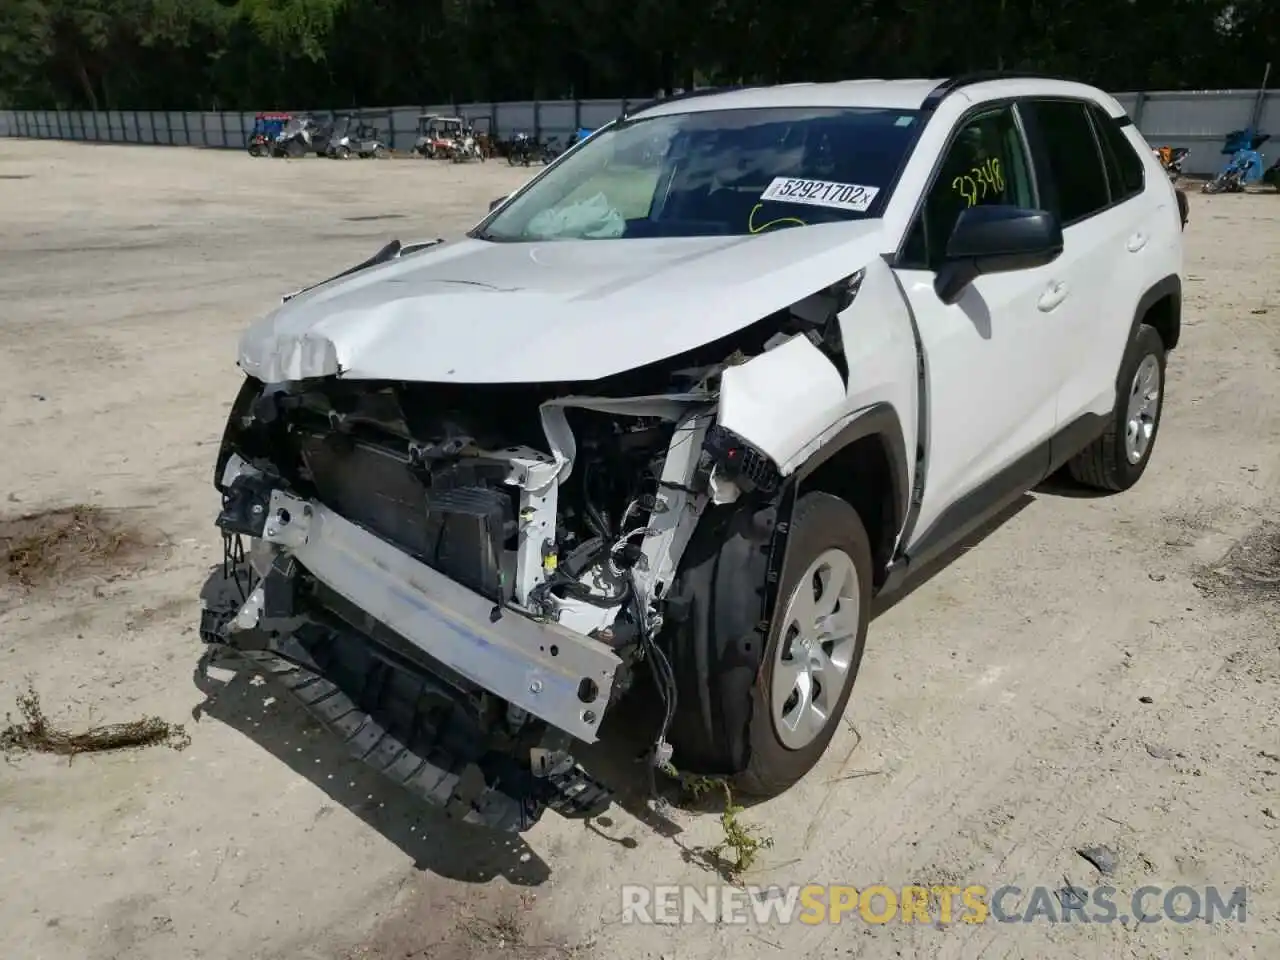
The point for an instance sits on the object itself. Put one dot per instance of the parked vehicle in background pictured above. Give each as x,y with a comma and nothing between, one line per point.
266,127
300,136
482,130
709,407
466,147
522,150
1172,159
1246,165
550,150
353,135
1272,174
437,135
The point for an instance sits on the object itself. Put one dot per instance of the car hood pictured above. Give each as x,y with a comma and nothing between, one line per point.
475,311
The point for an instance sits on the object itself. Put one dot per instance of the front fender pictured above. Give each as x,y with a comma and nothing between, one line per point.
791,401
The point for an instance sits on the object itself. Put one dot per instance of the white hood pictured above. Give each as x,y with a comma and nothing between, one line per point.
475,311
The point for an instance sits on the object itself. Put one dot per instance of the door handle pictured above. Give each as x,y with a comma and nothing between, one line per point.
1137,242
1054,295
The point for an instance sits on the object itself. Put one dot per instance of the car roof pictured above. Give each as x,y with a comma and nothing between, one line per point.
892,94
886,94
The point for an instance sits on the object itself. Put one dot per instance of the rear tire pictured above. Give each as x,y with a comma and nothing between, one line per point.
1117,460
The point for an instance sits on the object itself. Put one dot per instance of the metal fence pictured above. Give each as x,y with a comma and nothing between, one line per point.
1195,119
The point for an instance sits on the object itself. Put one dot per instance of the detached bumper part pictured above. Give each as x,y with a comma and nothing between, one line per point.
426,752
397,718
394,658
430,774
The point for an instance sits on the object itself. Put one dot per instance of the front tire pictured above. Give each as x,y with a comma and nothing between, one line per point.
815,645
1117,460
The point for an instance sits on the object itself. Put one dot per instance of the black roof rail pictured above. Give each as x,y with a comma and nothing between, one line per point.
687,95
952,84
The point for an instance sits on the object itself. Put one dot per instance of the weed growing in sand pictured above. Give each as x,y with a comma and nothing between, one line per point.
741,841
36,734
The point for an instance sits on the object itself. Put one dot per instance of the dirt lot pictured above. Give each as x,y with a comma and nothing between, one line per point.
1097,672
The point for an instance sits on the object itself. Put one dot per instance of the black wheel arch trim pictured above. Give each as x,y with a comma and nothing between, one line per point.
717,627
1170,286
880,420
720,609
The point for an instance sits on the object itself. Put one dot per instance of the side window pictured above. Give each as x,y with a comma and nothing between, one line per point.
986,163
1124,166
1071,153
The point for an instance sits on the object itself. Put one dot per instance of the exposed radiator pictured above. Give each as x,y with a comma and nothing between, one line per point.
458,527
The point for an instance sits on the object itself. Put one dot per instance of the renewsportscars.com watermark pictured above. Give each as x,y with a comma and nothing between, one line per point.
975,904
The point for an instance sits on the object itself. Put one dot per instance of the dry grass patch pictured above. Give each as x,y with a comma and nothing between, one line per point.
1250,571
52,546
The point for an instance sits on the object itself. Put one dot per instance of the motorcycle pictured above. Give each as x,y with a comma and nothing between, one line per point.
1172,159
550,150
522,150
466,148
1245,165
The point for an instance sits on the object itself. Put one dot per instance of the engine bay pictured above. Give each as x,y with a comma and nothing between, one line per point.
569,502
468,488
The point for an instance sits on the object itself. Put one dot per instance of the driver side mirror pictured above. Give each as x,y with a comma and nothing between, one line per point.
996,239
494,204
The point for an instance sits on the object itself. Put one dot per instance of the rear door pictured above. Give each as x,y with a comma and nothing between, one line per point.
1097,192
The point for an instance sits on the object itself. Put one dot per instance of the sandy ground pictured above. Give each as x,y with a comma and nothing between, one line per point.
1092,673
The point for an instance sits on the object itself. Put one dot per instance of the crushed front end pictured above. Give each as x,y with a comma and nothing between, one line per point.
458,581
462,579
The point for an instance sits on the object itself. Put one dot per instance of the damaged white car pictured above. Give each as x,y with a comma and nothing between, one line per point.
676,414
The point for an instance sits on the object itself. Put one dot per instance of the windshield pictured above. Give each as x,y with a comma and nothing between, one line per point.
715,173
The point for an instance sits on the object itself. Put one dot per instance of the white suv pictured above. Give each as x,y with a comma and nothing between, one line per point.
678,413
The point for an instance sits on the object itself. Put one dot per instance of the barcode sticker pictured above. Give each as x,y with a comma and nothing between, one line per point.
821,193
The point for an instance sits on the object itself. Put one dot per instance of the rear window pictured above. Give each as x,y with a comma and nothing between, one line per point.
1124,166
1071,152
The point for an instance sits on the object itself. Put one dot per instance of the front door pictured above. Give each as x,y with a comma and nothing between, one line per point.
990,358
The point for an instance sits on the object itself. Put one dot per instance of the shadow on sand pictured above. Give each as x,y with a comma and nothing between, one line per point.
241,695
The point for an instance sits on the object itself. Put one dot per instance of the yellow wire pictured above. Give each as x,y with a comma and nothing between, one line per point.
751,228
